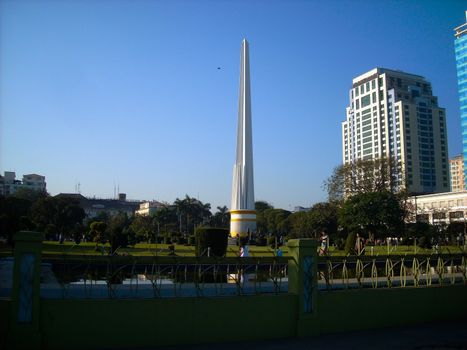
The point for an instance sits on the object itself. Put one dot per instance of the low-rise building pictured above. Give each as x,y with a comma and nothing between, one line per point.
93,206
10,185
148,208
440,208
299,209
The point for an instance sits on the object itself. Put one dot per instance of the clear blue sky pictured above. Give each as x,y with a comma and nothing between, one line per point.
128,93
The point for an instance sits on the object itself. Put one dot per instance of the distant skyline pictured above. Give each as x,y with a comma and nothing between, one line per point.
130,94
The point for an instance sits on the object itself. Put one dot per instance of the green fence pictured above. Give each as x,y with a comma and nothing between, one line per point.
392,271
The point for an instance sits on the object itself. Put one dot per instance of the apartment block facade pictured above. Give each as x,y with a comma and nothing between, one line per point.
395,115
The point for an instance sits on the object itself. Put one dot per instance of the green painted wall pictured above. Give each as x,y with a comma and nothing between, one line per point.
5,310
74,324
377,308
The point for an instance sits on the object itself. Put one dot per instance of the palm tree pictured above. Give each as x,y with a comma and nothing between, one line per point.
181,207
224,215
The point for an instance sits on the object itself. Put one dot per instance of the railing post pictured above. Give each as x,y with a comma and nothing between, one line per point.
303,269
25,293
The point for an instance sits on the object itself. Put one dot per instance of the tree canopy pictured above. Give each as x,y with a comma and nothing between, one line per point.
376,214
365,176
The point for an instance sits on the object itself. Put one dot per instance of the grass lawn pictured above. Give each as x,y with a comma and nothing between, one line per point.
402,250
144,249
140,249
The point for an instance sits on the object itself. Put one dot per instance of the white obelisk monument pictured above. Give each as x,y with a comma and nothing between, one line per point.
242,212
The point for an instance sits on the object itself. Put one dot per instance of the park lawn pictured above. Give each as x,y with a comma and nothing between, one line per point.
140,249
145,249
401,250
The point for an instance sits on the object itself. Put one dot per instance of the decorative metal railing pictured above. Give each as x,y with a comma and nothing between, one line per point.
159,277
391,271
71,276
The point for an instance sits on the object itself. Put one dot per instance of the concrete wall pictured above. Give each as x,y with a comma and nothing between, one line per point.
4,321
77,324
113,323
377,308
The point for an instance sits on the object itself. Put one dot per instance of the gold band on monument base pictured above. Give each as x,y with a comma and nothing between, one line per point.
243,211
251,220
235,233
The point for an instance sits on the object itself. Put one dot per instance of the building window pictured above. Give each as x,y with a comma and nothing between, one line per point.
365,101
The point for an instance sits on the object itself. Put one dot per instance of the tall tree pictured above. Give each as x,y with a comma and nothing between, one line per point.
97,231
364,176
376,214
191,212
65,214
143,227
261,206
181,207
323,217
272,221
166,219
300,225
14,216
115,231
221,218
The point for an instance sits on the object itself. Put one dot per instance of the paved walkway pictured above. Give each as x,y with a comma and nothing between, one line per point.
433,336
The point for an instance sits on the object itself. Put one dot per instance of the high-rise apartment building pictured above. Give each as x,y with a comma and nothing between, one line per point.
460,46
456,171
395,115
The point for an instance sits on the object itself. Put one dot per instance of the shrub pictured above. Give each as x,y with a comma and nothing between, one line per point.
191,240
272,241
243,239
211,237
424,242
171,249
350,243
407,240
261,241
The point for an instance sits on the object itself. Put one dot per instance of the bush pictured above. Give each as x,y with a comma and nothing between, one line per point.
407,240
272,241
261,241
243,239
192,240
171,249
350,243
211,237
340,244
424,242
